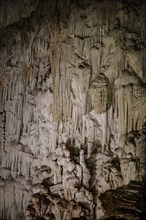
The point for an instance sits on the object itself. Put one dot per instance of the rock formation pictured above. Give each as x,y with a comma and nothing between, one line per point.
72,109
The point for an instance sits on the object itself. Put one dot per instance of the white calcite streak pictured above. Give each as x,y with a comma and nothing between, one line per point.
72,107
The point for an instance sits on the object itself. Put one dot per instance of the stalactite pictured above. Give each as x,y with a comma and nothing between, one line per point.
72,106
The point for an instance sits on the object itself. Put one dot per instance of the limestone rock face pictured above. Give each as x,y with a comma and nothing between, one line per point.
13,11
125,202
72,109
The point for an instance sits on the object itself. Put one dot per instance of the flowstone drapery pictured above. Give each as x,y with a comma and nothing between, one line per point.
72,109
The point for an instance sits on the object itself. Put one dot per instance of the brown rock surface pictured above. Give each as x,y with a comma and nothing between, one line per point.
126,202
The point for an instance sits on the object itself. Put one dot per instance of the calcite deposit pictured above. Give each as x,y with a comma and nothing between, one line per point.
72,109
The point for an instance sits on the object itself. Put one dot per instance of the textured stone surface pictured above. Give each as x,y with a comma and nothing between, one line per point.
72,106
12,11
125,202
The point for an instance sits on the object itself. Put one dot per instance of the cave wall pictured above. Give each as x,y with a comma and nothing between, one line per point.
72,106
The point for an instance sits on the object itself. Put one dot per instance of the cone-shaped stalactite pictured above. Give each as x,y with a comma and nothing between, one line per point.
72,109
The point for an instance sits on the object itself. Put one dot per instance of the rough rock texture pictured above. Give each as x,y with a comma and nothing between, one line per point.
125,202
72,109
